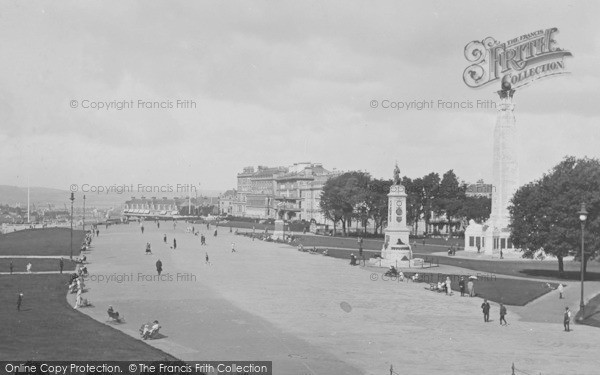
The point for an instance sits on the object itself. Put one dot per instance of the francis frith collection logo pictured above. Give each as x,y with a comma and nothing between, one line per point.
519,61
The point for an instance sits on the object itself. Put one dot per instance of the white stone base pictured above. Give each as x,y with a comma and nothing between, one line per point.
386,263
279,230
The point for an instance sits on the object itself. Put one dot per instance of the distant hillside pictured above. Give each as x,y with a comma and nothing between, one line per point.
41,197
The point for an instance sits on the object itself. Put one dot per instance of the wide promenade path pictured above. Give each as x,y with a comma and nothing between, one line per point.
269,302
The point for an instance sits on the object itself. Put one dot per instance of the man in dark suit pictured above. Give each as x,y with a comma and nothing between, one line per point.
485,306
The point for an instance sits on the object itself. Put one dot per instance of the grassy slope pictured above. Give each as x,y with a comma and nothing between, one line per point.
48,328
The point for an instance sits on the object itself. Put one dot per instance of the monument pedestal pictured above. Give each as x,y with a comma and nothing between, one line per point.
279,230
396,250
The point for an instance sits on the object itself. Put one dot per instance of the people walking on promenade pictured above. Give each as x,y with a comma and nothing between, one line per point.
19,301
560,291
207,261
165,238
471,288
448,286
567,319
485,307
461,285
11,266
61,265
158,267
503,314
233,247
174,244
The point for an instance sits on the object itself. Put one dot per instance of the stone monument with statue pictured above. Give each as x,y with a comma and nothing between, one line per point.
396,249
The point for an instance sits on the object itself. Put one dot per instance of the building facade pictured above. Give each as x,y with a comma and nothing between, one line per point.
265,192
480,189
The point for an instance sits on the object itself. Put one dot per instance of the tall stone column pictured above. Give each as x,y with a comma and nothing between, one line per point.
505,170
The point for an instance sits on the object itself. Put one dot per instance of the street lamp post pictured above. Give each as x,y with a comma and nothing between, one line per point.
72,199
84,213
582,218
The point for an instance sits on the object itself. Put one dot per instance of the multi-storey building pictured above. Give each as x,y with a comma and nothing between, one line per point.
480,189
168,207
295,190
232,203
151,207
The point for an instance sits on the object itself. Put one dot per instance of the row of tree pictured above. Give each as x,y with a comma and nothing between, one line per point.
543,213
356,196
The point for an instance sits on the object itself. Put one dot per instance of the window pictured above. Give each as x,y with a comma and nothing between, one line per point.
503,243
472,241
510,244
477,242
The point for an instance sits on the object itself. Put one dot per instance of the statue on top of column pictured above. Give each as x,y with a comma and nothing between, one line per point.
396,175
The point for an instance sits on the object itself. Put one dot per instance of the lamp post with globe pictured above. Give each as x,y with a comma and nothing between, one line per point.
72,199
582,218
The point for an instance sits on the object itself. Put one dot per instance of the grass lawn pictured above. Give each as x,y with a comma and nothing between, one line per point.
37,265
374,243
592,312
532,269
515,292
47,328
49,241
337,248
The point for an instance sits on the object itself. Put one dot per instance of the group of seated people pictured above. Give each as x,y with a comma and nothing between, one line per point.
393,272
86,242
312,250
149,330
82,271
81,260
76,283
440,287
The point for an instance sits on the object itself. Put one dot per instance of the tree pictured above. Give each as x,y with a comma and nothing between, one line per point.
342,195
414,201
544,212
377,202
451,196
431,184
475,208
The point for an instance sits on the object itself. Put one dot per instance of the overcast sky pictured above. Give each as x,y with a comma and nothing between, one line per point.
275,83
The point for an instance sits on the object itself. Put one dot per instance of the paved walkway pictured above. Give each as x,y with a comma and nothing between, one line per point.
316,315
35,256
33,273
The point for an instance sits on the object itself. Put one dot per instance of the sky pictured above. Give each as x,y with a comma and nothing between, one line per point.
275,83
